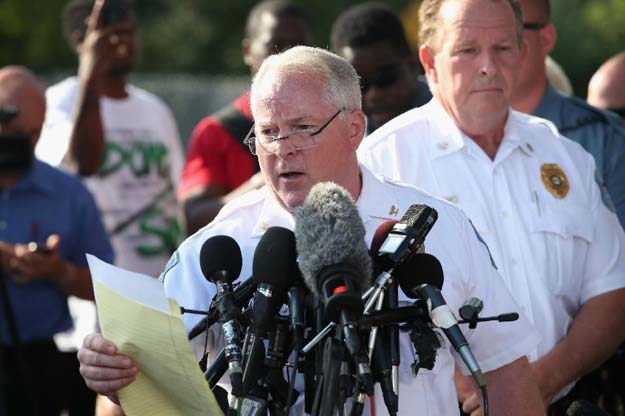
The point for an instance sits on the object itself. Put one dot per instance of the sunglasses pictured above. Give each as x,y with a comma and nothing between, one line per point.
385,77
533,25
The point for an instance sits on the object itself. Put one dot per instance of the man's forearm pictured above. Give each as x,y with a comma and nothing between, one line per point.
512,390
596,332
86,146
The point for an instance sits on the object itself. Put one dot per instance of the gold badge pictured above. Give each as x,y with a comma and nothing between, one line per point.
554,180
394,210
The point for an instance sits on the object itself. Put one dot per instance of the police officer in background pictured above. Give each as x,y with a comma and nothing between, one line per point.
530,192
600,133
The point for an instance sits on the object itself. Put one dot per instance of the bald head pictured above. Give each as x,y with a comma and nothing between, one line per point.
20,89
607,86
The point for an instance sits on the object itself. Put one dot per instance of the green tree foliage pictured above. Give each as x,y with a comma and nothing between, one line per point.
589,32
204,36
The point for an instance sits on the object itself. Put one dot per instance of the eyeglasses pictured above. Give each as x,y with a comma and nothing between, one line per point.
533,25
301,139
386,76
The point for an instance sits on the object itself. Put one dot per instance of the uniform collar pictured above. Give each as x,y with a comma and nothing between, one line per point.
375,201
272,214
447,138
37,178
514,136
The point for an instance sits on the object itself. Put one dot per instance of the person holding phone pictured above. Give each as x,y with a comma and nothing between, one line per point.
48,222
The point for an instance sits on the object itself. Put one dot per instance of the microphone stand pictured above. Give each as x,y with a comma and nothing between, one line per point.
333,357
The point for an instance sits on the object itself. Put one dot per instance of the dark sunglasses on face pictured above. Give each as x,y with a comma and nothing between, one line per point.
533,25
385,77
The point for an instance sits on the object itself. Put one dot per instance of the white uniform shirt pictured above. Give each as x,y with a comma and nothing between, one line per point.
553,253
466,265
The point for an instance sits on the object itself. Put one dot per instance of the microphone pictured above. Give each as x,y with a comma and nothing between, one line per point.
274,266
584,408
406,237
220,262
242,295
335,262
401,241
426,285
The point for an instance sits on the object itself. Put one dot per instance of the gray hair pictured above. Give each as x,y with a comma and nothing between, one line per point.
429,21
341,84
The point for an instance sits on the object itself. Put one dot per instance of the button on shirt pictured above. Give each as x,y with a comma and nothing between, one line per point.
466,265
553,253
47,201
602,134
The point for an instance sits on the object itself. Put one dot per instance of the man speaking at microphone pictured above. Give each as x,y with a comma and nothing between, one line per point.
309,123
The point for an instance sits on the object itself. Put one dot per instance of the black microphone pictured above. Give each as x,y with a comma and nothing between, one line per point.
426,284
242,295
407,236
274,267
401,242
220,262
584,408
335,262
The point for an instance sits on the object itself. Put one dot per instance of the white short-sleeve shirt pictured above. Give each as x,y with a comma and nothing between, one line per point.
555,248
466,264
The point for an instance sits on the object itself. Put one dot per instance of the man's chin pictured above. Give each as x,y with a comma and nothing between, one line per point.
121,70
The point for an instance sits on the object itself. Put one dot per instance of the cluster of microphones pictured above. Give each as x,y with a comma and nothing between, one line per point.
323,307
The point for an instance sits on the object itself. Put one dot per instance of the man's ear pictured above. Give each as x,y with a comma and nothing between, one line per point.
427,58
357,126
548,37
245,49
76,39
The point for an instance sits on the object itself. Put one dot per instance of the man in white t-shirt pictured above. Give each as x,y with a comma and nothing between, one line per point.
530,192
309,122
123,140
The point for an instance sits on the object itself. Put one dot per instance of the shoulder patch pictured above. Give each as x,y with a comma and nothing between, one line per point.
171,263
591,115
605,195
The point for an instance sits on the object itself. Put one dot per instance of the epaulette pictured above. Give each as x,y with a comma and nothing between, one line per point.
593,116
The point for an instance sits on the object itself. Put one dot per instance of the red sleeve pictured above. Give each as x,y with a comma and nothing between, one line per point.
214,157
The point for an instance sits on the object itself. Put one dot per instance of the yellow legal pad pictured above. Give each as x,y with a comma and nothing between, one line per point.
135,314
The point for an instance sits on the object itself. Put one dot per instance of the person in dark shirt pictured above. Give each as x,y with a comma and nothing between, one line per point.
219,166
371,37
48,222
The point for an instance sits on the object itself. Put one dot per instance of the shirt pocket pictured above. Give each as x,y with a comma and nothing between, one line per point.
559,238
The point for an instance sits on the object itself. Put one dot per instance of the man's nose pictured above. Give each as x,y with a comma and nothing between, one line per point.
284,148
487,63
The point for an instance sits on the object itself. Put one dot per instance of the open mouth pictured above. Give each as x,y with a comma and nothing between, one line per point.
290,175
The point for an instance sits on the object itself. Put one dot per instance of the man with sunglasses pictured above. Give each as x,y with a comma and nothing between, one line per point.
48,222
307,108
606,89
371,37
600,133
